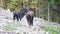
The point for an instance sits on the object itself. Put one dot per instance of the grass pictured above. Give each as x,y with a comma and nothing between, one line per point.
10,27
52,30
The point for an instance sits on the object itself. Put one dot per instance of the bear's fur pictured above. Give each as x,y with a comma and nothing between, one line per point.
16,15
19,14
30,17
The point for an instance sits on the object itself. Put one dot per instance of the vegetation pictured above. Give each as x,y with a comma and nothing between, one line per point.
54,10
52,30
10,27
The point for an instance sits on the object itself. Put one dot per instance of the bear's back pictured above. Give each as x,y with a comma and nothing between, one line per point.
30,13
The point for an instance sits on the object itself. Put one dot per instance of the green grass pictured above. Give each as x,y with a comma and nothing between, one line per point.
52,30
10,27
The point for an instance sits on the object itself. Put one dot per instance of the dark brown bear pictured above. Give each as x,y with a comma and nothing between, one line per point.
15,15
19,14
30,17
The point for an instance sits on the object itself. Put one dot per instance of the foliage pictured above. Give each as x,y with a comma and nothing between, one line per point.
52,30
10,27
53,8
13,4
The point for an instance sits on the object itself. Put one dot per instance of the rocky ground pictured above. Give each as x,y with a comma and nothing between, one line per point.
22,26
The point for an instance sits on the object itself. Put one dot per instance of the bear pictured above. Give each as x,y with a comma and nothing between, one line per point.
22,13
19,14
16,15
30,17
